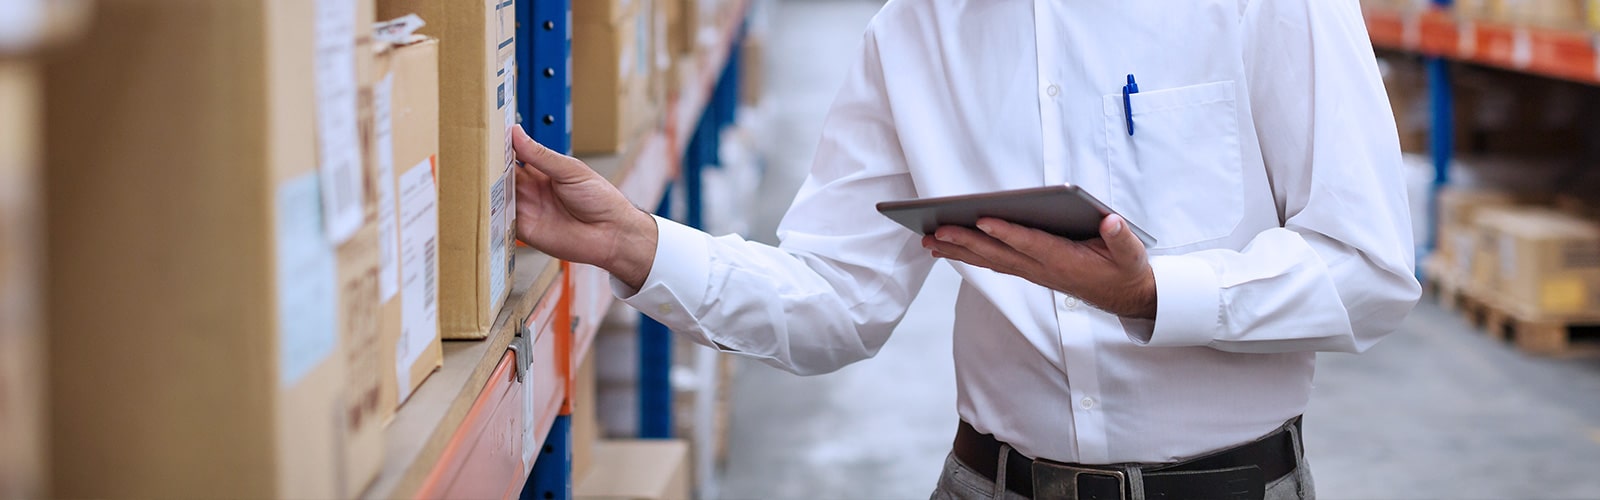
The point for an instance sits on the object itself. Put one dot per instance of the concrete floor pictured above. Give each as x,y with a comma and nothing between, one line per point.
1435,411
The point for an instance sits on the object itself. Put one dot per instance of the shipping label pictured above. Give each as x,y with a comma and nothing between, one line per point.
419,261
383,129
306,281
338,135
500,207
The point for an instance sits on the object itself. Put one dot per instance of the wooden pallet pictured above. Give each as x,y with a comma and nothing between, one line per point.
1537,333
1529,330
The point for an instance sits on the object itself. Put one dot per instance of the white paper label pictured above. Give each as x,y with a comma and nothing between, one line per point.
306,279
383,128
500,207
508,96
397,31
502,195
419,263
338,136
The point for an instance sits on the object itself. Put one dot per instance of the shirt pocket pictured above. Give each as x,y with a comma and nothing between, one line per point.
1179,176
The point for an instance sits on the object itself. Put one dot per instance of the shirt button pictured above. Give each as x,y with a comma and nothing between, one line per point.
1052,90
1069,302
1087,403
665,309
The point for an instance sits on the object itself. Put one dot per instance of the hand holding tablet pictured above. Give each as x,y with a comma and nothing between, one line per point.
1063,210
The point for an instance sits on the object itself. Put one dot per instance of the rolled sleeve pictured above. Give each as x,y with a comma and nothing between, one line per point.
679,275
1188,302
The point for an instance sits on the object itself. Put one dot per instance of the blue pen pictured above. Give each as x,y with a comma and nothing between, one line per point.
1127,101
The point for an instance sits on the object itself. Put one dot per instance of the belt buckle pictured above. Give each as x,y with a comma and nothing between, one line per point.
1054,480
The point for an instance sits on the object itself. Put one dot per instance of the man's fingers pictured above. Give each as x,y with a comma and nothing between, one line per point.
984,247
1029,241
1126,249
560,168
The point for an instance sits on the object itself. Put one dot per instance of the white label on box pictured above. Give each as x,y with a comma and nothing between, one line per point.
508,100
306,280
419,261
502,196
383,128
338,136
500,207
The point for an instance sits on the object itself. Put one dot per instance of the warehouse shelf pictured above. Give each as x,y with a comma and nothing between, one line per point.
1555,53
473,428
644,174
427,432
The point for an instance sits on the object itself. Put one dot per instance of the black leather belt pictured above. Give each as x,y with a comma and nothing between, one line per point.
1241,472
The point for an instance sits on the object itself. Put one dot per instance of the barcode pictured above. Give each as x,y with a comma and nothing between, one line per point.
430,271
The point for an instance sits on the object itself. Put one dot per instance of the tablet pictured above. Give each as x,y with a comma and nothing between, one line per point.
1063,210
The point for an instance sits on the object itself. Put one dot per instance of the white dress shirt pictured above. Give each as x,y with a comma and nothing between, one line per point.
1264,161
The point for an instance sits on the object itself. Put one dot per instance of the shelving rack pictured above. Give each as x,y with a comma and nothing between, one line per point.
1440,36
493,421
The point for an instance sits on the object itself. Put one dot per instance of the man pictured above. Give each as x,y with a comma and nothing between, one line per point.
1259,151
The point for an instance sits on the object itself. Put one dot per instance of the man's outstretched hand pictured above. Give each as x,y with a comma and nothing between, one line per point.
567,210
1111,272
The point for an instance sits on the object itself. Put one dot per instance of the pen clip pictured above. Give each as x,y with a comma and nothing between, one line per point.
1127,101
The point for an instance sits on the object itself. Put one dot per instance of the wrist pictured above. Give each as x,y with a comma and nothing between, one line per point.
1147,297
634,253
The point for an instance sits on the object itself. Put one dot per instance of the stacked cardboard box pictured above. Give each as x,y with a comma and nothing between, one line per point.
1557,14
21,336
1458,242
477,110
637,470
585,416
207,292
406,146
613,58
31,29
1546,263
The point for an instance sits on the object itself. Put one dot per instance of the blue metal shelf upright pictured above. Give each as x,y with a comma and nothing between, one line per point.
544,104
655,340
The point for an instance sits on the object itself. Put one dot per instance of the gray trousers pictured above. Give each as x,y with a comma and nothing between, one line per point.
960,482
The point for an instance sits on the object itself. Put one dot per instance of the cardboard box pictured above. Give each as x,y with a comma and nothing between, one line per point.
613,60
360,319
752,70
602,10
638,470
1557,14
407,103
197,336
1548,262
360,342
585,417
477,110
1458,240
677,36
22,369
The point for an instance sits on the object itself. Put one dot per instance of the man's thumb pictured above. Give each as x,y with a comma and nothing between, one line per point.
1124,245
560,168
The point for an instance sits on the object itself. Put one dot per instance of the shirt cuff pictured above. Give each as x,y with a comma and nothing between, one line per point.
679,275
1188,302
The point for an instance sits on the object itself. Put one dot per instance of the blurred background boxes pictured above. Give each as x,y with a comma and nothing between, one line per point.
1547,263
33,28
22,421
199,342
638,470
476,192
613,55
